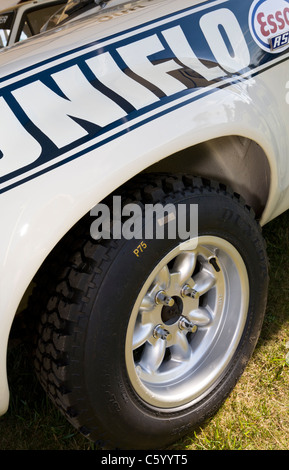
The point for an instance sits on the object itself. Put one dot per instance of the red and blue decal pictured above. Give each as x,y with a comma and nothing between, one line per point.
269,24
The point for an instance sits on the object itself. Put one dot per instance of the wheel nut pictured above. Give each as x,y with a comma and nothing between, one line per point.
186,324
162,333
163,299
187,291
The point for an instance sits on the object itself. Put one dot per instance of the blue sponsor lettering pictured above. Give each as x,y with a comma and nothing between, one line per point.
279,41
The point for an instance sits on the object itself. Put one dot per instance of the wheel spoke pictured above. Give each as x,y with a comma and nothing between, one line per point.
147,304
184,265
204,281
181,350
153,356
163,278
200,317
141,334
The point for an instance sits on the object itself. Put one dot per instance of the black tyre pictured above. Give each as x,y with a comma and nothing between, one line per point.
142,340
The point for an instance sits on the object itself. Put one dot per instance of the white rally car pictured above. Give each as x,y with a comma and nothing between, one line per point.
156,113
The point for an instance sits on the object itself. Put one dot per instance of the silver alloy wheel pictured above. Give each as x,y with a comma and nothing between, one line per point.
187,322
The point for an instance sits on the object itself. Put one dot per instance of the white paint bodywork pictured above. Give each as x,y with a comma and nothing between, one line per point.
35,215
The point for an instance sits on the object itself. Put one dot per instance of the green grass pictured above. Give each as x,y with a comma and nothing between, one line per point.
254,417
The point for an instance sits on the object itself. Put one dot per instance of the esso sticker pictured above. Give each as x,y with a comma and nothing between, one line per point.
269,24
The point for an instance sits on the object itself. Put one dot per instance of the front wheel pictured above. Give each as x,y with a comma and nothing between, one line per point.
139,347
187,323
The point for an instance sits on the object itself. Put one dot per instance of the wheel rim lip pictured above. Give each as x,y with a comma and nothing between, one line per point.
198,379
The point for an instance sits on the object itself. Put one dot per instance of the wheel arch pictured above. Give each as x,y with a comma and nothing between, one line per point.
236,161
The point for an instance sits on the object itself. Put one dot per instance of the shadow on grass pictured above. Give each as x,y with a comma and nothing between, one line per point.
276,234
